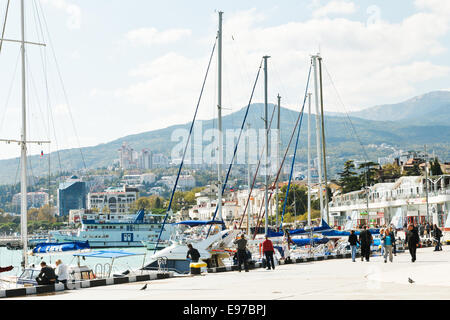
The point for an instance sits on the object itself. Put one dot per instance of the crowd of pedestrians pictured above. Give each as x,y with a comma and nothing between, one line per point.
388,238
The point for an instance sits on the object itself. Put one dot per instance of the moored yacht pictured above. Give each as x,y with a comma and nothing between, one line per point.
117,230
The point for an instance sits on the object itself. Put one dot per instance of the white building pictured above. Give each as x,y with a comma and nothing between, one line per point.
34,199
406,198
118,200
185,182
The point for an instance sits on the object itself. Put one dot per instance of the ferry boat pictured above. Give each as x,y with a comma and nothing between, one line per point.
117,230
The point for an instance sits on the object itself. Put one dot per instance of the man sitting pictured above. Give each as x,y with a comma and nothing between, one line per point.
46,276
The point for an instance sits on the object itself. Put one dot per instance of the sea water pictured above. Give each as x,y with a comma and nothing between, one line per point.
14,258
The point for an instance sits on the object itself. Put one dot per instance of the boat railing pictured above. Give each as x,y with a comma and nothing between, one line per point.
163,266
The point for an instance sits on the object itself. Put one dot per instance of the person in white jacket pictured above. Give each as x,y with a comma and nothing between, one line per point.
61,271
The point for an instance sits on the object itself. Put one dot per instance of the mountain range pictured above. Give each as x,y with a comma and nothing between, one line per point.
408,125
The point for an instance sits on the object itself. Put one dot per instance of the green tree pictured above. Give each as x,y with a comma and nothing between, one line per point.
369,173
391,171
435,167
414,171
348,178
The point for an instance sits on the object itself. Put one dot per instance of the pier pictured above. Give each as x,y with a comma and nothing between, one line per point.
328,279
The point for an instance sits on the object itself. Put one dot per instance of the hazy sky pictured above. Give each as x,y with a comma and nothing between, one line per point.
130,66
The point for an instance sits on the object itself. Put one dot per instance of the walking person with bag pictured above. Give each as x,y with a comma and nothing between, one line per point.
242,252
353,240
412,239
268,251
437,237
388,239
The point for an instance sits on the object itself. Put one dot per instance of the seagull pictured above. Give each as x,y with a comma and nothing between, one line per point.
144,287
410,280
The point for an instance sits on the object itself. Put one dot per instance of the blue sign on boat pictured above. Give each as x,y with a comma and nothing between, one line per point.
60,247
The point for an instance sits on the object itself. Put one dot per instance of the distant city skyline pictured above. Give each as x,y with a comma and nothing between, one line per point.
136,66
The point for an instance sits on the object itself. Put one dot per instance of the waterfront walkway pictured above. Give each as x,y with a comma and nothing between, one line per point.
329,279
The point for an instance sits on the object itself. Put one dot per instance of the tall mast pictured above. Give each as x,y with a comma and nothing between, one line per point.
278,155
323,143
319,162
266,125
219,109
426,185
248,177
23,155
309,159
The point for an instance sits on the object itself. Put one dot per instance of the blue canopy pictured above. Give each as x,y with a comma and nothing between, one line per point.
60,247
307,241
110,254
337,233
323,227
194,223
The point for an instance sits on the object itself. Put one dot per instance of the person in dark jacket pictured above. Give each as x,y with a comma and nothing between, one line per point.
393,232
365,239
268,250
242,252
413,239
437,236
193,253
353,240
46,276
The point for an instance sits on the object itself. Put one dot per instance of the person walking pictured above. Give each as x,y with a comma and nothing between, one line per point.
192,253
353,240
268,251
61,272
437,237
382,243
388,240
412,239
421,230
428,230
46,276
365,239
393,233
241,243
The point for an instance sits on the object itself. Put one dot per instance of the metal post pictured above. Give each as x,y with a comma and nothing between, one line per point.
323,142
426,184
319,162
278,156
309,159
23,158
248,177
219,109
266,125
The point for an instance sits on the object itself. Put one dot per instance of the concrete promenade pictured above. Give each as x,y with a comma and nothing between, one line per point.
329,279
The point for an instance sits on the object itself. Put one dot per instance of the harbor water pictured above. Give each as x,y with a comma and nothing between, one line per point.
14,258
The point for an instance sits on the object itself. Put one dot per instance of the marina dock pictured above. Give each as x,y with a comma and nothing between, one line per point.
329,279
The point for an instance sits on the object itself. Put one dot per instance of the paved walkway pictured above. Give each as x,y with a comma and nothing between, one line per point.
330,279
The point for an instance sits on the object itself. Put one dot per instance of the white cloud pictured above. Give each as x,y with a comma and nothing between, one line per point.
370,64
151,36
73,11
335,7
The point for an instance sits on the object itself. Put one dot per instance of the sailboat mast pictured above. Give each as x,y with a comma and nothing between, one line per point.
278,154
323,142
219,109
319,162
23,156
309,159
248,178
266,124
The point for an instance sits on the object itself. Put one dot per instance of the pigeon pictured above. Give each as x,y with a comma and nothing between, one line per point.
144,287
410,280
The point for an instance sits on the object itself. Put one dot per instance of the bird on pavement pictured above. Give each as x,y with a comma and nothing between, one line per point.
144,287
410,280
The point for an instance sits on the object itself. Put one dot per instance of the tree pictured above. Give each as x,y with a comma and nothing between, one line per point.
348,178
301,200
414,171
369,175
391,171
435,167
